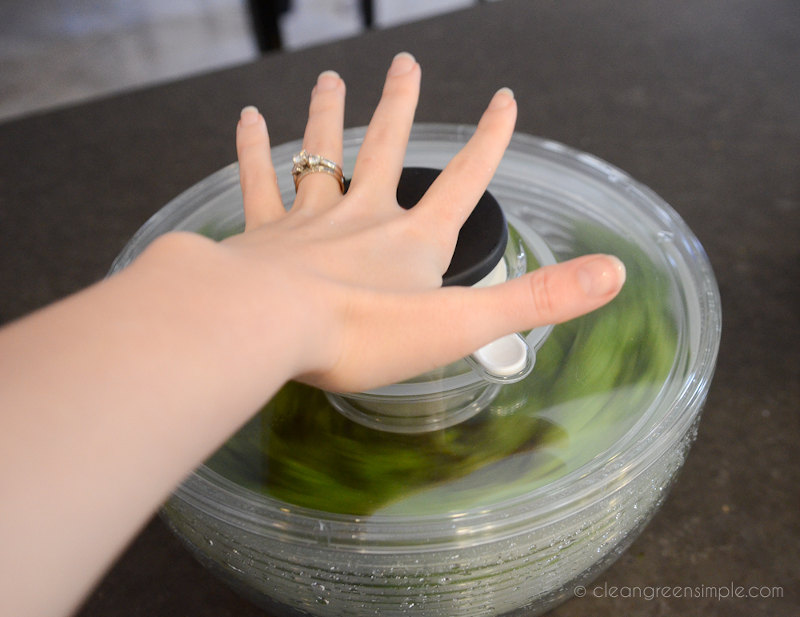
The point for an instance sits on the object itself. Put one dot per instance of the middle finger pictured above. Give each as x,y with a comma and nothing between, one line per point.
380,159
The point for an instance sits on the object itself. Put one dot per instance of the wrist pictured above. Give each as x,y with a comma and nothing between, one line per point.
242,310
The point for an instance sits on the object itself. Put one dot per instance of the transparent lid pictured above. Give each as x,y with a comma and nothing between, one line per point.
629,376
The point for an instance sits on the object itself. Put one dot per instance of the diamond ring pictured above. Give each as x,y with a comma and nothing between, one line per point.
304,163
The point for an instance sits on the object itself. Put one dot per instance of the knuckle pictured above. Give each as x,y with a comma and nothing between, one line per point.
540,295
433,244
479,169
324,105
399,86
251,145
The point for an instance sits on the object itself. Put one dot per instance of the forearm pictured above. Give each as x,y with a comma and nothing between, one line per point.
108,399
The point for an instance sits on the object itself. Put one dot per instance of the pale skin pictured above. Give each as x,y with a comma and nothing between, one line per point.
111,396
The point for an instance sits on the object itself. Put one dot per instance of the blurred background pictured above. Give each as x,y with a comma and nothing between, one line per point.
59,52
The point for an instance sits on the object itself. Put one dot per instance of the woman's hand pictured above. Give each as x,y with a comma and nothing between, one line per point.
360,275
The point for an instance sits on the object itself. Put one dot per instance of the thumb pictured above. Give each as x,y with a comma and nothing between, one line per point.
462,320
553,294
394,338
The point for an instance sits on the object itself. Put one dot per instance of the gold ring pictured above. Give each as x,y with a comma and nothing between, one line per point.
305,163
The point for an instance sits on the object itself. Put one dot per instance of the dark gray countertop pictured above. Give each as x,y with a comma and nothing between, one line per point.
699,99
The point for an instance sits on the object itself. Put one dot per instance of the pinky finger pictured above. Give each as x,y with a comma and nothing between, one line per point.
260,193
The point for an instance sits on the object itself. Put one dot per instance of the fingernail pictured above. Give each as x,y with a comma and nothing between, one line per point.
402,64
328,80
601,275
249,116
502,98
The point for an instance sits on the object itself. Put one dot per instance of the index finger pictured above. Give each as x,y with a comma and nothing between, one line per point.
451,198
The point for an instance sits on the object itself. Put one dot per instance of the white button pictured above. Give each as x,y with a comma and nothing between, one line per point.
504,357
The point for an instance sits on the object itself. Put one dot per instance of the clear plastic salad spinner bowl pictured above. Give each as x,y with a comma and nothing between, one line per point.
309,511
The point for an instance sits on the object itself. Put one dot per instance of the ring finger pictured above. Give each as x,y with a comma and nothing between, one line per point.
323,137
